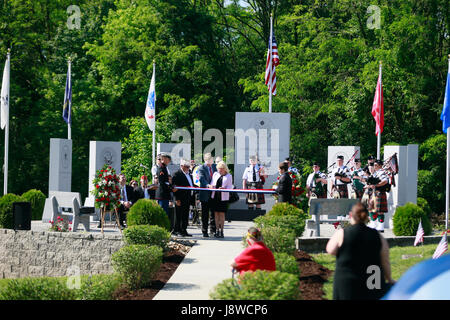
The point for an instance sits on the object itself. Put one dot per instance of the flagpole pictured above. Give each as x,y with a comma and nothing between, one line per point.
271,61
379,120
5,179
154,128
69,126
447,180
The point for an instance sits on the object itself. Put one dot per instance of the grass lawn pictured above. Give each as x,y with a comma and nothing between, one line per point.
398,265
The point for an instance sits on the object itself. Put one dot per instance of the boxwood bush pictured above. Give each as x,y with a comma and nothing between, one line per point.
99,287
45,288
406,220
146,211
293,223
259,285
37,200
145,234
6,209
137,264
286,263
286,212
278,239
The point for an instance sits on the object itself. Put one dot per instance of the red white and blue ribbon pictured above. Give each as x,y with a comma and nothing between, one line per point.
267,191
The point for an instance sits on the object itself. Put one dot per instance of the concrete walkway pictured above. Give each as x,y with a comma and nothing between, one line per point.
206,264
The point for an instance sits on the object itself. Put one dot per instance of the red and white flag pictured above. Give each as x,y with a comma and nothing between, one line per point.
273,60
442,247
419,235
377,106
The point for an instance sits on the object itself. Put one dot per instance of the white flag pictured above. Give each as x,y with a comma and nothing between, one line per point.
5,95
151,101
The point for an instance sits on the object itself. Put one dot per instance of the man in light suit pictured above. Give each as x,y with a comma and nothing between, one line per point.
206,172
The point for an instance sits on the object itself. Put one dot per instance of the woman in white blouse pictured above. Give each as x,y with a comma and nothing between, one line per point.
221,180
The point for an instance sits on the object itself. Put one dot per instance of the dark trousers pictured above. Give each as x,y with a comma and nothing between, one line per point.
122,215
181,217
208,217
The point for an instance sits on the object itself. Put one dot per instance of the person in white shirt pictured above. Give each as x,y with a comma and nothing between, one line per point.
340,177
317,182
253,178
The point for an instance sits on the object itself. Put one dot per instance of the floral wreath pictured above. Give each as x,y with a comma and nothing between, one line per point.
107,189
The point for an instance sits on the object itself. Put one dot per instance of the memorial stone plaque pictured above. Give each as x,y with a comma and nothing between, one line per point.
101,153
60,165
266,135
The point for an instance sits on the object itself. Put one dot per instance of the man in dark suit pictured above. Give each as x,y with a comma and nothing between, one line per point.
162,194
284,188
127,199
144,191
182,178
205,174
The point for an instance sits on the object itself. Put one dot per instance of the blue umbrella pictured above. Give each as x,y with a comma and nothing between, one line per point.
428,280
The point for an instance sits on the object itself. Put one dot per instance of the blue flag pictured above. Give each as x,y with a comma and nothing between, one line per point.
445,115
67,109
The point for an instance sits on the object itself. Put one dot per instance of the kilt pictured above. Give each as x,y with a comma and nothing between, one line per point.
343,190
259,197
380,202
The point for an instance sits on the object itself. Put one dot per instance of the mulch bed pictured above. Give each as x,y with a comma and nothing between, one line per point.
170,263
312,276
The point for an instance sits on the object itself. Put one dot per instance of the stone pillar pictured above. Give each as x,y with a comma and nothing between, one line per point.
405,189
101,153
60,165
176,151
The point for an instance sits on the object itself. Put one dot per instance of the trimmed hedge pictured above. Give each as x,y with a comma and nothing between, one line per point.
406,220
148,235
146,211
37,200
96,287
137,264
286,263
278,239
293,223
259,285
6,209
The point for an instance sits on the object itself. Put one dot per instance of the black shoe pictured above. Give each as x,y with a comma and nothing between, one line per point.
250,208
99,226
216,235
221,234
176,233
185,234
205,235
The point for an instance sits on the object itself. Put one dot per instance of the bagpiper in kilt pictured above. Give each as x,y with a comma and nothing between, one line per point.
380,206
317,182
341,177
253,178
357,177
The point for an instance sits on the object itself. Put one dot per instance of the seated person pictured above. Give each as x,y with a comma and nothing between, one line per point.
256,256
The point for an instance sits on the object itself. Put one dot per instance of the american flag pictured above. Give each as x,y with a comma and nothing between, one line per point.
419,235
272,61
442,247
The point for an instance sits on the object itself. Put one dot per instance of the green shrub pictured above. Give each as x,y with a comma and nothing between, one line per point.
293,223
423,204
145,234
6,209
99,287
286,212
286,263
146,211
137,264
259,285
37,200
278,239
37,289
406,220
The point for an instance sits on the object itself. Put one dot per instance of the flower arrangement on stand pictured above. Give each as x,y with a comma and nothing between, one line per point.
60,225
106,192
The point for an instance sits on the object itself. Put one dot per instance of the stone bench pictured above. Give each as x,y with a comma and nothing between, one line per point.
335,210
67,205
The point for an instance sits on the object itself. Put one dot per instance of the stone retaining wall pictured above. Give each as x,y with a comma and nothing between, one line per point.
319,244
31,253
